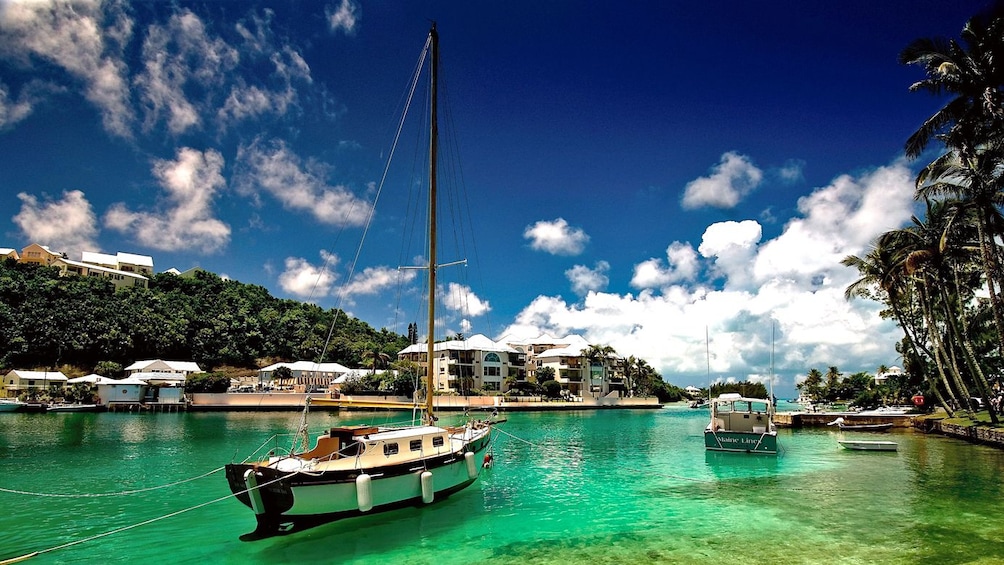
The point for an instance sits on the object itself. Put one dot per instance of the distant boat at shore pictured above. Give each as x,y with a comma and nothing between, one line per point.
839,422
72,408
10,405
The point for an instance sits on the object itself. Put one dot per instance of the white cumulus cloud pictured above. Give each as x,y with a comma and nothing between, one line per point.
743,286
584,279
681,265
191,182
556,237
732,179
273,168
84,38
344,17
460,298
177,56
373,280
305,280
65,226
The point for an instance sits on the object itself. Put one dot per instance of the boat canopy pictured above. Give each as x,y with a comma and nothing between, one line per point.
736,397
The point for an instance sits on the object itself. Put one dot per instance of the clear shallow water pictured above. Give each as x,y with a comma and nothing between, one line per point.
596,486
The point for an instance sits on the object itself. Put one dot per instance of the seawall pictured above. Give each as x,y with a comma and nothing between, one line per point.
818,419
973,434
289,401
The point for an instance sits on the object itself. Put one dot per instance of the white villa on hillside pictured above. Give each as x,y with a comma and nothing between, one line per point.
119,279
125,262
156,366
123,270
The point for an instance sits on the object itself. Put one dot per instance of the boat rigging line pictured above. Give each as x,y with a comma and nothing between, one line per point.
138,524
104,494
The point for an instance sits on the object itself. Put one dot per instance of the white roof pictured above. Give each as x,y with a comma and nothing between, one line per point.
133,259
94,267
159,377
189,366
5,250
92,379
309,366
477,342
98,258
356,373
736,397
40,375
126,381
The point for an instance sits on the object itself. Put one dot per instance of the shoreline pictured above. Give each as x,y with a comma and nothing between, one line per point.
276,402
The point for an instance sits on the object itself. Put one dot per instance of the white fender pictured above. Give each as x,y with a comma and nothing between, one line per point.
251,482
472,468
428,493
364,493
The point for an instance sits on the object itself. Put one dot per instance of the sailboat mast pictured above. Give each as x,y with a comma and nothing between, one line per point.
433,150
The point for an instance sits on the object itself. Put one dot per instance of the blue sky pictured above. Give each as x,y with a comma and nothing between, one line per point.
636,172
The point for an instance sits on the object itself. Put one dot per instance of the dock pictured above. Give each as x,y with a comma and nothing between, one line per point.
820,419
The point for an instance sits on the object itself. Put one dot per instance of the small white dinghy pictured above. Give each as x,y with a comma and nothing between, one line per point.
866,445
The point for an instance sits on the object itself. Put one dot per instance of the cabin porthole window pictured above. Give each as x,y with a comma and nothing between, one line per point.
437,441
416,445
390,449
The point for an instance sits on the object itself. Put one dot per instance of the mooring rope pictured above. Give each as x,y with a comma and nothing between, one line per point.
102,494
138,524
501,431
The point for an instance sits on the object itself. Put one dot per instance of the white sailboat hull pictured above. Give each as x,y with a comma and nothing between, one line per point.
291,492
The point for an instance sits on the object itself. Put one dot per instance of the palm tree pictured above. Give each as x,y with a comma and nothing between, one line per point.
378,359
971,73
812,383
883,270
978,184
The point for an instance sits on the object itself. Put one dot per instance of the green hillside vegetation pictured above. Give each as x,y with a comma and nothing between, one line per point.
48,321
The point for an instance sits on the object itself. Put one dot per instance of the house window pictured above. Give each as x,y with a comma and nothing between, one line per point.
390,449
493,371
437,441
492,358
416,445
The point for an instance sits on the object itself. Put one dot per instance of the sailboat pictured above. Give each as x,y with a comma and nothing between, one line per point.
355,470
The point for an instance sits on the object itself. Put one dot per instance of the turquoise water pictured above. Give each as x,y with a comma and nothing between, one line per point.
612,486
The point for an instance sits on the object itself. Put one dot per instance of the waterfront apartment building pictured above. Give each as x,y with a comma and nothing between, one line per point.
573,369
462,366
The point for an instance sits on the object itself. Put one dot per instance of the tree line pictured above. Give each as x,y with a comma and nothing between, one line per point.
49,321
940,278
